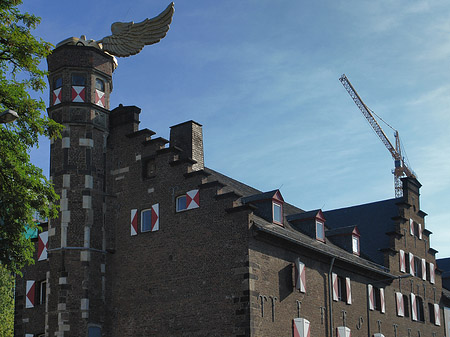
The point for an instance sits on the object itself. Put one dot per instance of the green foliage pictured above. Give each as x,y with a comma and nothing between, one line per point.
6,303
23,187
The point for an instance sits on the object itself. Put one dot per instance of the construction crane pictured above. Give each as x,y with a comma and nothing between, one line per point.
401,169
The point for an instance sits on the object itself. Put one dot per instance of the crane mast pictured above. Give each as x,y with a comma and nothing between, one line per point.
400,168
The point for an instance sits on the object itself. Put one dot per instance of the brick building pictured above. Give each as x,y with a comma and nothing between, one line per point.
150,242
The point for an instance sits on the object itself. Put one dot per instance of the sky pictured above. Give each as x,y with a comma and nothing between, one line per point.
262,78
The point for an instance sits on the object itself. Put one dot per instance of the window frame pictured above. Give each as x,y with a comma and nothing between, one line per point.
355,238
322,227
406,305
180,209
280,206
79,75
55,80
103,84
147,210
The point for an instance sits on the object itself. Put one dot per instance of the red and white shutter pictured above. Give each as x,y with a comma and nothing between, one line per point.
411,263
100,98
411,227
378,334
424,269
413,307
343,331
432,273
348,289
382,301
402,261
30,294
192,199
400,305
371,297
301,327
134,222
334,280
300,276
155,218
437,314
78,94
420,230
42,246
56,96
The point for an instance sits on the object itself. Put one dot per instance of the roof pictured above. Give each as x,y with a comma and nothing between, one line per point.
303,216
373,220
341,231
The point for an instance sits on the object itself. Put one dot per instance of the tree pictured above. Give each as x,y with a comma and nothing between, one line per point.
23,186
6,303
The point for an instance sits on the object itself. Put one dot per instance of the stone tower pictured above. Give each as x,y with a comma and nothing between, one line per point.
80,80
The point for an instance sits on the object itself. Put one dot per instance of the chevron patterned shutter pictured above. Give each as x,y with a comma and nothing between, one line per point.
301,327
334,280
432,273
437,314
411,227
134,222
371,297
382,301
155,218
192,199
420,230
343,331
300,276
348,290
402,261
42,246
411,263
413,307
30,294
424,269
400,305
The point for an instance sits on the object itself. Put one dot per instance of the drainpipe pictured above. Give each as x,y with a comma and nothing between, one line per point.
330,295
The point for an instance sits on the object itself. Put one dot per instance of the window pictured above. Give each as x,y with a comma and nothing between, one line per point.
431,313
406,305
42,292
149,168
94,331
181,203
320,231
341,289
146,220
57,83
417,267
277,213
376,298
355,244
420,311
78,80
99,85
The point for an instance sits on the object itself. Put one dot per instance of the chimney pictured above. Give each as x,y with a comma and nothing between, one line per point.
188,136
126,118
411,192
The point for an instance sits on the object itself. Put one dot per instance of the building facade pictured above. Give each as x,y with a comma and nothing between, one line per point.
150,242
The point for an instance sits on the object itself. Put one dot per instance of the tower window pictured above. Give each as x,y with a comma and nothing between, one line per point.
57,83
355,244
320,231
146,220
277,213
99,85
181,203
78,80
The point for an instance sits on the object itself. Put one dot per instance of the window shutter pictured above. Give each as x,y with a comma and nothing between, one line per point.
301,327
420,230
343,331
192,199
29,335
134,222
378,334
411,263
30,294
155,218
334,279
432,273
402,261
382,302
437,314
42,246
78,93
300,276
411,227
400,305
413,307
424,269
348,290
371,297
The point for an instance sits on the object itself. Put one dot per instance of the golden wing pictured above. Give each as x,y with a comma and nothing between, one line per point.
129,38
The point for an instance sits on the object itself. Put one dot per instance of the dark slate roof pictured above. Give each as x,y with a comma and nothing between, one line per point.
259,196
374,220
327,249
444,264
340,230
303,216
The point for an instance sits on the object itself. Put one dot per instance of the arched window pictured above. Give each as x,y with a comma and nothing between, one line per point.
99,85
420,311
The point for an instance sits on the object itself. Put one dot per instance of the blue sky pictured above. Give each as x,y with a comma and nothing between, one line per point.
262,78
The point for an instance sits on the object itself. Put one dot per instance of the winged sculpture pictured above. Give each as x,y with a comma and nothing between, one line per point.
129,38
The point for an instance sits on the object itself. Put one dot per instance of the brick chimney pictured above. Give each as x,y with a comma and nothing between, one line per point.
125,119
411,192
188,136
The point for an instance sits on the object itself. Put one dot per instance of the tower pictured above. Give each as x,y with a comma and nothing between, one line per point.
80,79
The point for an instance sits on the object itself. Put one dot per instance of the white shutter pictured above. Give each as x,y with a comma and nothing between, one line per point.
424,270
400,305
348,290
343,331
42,246
30,294
411,263
300,273
413,307
420,230
382,302
334,279
134,222
301,327
402,261
371,297
437,314
411,227
432,273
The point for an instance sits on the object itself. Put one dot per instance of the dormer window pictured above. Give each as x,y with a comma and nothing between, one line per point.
320,231
277,210
355,244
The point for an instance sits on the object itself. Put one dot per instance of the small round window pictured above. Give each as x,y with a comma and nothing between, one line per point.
99,85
